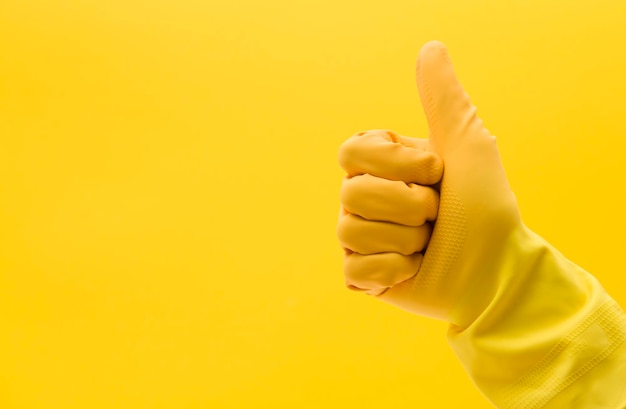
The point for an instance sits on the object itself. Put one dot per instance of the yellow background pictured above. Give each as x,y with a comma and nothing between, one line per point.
169,189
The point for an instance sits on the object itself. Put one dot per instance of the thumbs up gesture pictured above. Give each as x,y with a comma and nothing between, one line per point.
432,226
390,203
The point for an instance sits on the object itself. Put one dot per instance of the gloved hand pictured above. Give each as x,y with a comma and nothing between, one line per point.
478,210
532,329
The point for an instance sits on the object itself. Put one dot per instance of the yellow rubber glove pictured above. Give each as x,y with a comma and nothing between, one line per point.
532,329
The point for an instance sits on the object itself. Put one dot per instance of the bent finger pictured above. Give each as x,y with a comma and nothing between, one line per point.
379,199
386,154
379,271
371,237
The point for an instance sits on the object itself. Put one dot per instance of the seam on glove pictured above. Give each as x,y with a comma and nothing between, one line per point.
542,383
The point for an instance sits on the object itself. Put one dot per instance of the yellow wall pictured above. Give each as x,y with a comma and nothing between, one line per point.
169,189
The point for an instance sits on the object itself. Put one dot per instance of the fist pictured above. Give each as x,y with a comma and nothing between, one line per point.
389,202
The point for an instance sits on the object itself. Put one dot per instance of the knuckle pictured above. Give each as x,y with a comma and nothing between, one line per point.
347,231
347,188
352,190
351,149
342,230
346,152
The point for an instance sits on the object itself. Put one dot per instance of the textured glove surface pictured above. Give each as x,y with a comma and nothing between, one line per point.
532,329
477,209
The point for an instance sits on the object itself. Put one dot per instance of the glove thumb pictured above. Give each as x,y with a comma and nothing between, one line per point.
451,117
